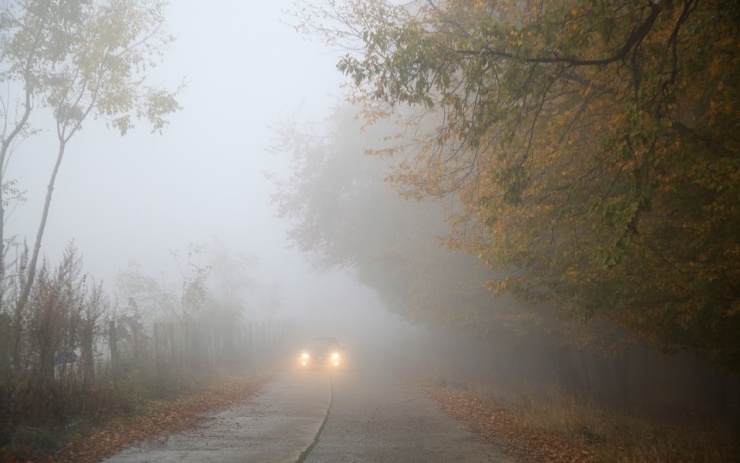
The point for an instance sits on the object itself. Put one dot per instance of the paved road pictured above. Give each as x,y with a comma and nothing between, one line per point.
356,415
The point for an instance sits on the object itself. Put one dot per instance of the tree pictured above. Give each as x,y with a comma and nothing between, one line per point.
230,281
189,295
593,146
80,60
193,280
344,215
145,298
66,310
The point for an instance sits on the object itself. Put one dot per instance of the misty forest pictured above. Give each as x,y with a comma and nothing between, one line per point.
525,208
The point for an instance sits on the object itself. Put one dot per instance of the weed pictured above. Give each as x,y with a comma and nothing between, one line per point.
34,439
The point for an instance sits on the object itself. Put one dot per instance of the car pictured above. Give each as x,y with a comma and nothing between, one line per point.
321,352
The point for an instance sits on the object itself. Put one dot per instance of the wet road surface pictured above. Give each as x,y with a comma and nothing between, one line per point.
354,415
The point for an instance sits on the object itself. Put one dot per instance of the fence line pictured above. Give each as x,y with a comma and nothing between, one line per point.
122,347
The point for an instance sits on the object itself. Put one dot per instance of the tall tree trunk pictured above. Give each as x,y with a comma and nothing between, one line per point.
158,353
31,275
620,365
5,144
87,360
586,371
17,331
48,345
171,339
568,376
113,344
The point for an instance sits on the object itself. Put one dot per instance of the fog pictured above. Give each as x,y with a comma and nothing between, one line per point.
135,198
244,71
484,250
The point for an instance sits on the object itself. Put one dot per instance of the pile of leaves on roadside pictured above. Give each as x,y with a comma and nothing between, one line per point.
152,419
499,423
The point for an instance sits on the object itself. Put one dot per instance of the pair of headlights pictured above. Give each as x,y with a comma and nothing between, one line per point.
306,356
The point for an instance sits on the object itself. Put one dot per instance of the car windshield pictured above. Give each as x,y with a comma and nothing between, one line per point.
322,343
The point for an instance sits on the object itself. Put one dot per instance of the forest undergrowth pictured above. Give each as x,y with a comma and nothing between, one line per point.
556,427
89,441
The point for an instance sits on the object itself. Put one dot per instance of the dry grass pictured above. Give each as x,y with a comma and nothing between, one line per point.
535,424
89,442
612,437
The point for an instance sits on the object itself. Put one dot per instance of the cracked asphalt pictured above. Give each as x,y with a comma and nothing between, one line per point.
354,415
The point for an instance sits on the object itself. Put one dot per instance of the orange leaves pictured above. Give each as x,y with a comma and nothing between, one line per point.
590,146
502,424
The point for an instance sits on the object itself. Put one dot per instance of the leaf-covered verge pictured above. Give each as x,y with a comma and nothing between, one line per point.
87,442
562,429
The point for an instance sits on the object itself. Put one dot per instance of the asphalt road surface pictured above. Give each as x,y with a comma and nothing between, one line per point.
354,415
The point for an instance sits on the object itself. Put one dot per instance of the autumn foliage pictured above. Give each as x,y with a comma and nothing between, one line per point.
592,145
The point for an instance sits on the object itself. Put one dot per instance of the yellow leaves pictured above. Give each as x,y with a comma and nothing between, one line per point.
581,146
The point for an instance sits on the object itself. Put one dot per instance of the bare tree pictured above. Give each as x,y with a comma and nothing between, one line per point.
81,60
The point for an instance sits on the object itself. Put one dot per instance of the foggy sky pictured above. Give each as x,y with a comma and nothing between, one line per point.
138,196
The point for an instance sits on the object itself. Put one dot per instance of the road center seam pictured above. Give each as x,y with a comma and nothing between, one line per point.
302,457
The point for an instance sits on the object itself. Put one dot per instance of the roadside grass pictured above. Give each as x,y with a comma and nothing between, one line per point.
143,414
535,424
611,437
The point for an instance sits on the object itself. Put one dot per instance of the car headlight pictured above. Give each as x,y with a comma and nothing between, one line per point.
335,356
305,356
